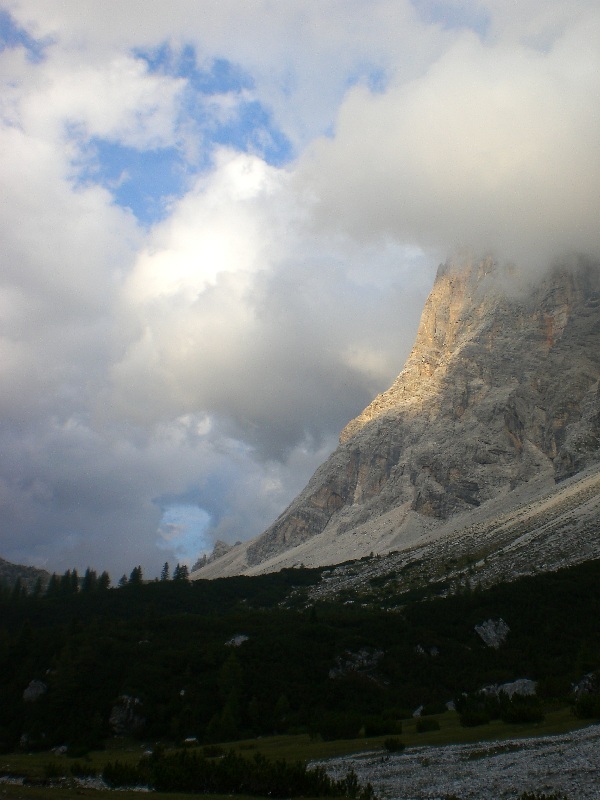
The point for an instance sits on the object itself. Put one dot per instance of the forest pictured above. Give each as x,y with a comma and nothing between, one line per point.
216,661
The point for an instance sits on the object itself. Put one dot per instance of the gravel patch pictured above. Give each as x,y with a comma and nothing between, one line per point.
568,764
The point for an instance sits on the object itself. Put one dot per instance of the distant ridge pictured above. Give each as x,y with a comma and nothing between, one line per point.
10,573
500,391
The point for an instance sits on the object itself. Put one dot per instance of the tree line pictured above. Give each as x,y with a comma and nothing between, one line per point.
70,582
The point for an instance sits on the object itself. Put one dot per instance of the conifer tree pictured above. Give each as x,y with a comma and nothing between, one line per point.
53,587
136,577
90,581
181,572
19,590
103,581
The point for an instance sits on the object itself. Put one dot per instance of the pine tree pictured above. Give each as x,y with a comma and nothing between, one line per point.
136,577
103,581
19,590
90,581
66,584
181,573
53,587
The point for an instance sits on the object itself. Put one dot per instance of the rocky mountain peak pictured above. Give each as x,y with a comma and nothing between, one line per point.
461,297
471,311
502,386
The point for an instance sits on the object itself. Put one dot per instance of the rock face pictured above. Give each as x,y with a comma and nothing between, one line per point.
493,632
363,662
126,717
33,691
502,386
524,687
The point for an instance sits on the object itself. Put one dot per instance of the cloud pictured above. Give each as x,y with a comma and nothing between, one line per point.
492,148
235,308
174,378
301,56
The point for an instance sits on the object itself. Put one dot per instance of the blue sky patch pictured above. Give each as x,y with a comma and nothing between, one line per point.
220,77
217,109
12,35
251,130
143,181
183,529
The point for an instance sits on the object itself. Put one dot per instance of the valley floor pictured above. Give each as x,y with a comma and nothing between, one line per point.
568,764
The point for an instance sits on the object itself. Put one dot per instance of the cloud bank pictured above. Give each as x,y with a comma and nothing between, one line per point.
218,228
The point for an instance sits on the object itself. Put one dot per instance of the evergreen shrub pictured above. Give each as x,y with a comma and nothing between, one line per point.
393,745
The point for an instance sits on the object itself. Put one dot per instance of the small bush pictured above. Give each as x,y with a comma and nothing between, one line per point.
393,745
521,708
471,718
426,725
117,774
587,707
80,770
53,770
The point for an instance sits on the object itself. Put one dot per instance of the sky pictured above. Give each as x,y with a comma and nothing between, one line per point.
219,222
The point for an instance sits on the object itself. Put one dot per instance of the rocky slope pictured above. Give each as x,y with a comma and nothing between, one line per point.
538,527
501,388
565,764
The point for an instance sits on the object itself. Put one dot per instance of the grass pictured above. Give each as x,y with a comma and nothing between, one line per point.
34,765
290,747
303,748
451,732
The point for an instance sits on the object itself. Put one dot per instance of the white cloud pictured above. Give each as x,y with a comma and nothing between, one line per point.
301,55
115,98
237,307
216,228
492,148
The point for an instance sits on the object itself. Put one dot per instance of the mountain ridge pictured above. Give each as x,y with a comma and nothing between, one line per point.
10,573
501,386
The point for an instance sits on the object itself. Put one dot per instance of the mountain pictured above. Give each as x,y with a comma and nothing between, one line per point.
10,573
497,406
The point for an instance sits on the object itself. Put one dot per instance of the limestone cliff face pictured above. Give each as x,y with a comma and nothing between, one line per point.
502,385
